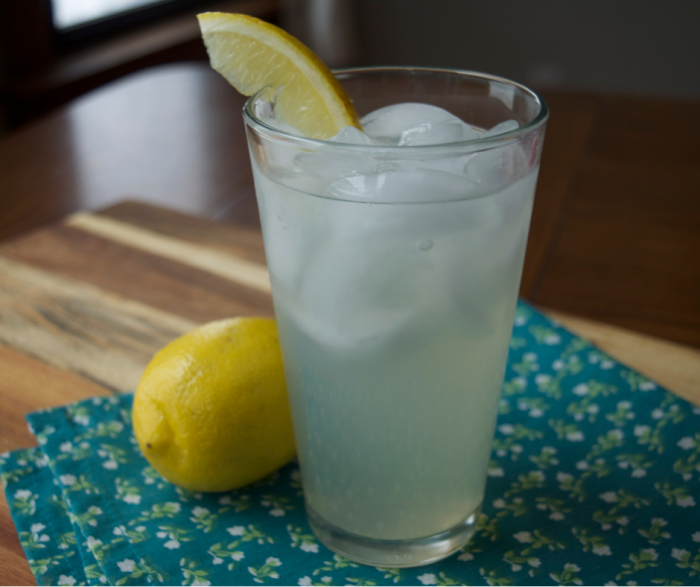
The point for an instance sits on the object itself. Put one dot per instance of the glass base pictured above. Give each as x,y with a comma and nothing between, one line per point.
393,553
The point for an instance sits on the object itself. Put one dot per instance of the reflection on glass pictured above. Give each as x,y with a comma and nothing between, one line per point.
70,13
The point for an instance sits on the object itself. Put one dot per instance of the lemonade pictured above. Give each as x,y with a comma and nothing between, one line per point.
395,257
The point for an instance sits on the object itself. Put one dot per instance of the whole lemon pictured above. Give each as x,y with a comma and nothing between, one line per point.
211,411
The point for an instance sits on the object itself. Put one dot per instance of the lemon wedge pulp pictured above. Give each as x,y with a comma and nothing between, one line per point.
253,54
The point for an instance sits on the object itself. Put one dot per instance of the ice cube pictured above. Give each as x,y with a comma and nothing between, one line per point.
328,167
497,167
413,124
502,128
394,186
279,125
351,136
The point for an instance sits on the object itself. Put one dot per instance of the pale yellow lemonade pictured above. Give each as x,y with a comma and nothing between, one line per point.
394,295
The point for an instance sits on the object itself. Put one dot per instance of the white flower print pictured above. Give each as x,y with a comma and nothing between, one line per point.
575,436
678,553
466,556
581,389
696,536
236,531
126,566
650,551
66,580
686,443
93,542
133,499
608,497
306,547
602,550
641,429
65,447
686,502
67,480
36,533
523,537
427,579
305,581
593,409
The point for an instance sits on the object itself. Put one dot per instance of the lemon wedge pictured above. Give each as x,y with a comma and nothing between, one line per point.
253,54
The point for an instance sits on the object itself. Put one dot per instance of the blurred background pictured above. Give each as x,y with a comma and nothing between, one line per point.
107,100
52,51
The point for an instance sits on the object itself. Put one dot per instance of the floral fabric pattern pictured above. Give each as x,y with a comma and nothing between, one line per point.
594,479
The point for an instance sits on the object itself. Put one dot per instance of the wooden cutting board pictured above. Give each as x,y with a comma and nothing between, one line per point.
86,303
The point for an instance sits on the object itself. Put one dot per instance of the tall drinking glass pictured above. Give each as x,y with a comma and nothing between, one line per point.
395,272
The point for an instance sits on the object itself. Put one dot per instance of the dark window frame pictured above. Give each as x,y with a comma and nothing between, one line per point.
118,21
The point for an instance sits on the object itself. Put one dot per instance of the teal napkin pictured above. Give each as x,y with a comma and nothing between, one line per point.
594,479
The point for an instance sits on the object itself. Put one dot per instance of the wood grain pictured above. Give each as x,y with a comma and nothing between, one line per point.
14,568
676,367
124,270
248,273
27,385
627,246
243,242
571,120
177,129
100,336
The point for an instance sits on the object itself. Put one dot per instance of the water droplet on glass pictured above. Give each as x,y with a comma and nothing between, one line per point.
424,244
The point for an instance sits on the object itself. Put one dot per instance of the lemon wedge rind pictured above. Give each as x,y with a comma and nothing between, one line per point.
253,55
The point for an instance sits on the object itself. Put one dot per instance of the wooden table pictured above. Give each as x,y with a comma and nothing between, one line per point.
85,302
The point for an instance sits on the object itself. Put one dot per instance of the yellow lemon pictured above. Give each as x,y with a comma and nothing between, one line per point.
211,411
253,54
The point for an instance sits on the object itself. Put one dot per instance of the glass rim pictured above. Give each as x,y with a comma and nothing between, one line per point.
487,142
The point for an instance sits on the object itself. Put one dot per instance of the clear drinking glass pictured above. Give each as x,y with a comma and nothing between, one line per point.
395,272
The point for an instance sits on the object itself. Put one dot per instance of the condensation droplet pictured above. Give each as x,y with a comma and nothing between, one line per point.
424,244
